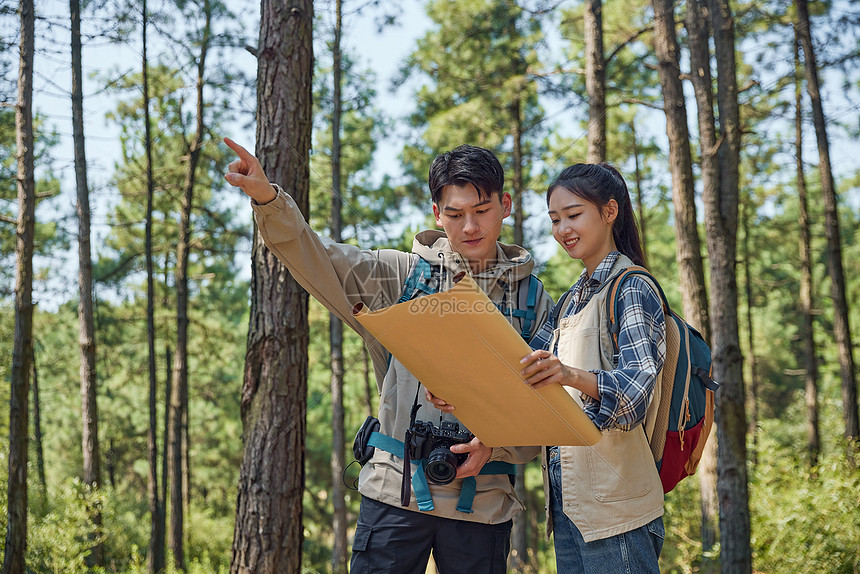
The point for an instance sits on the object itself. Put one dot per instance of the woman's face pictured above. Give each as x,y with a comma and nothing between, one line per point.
580,228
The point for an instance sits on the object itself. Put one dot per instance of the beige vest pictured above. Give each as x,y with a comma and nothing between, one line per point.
613,486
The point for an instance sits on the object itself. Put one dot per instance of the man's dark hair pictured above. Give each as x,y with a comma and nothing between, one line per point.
467,165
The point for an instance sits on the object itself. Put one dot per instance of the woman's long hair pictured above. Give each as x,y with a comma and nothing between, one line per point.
598,183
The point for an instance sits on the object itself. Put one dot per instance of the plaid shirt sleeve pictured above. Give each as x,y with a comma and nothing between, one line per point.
626,391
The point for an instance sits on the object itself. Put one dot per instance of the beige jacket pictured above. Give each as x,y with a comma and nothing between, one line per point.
613,486
340,276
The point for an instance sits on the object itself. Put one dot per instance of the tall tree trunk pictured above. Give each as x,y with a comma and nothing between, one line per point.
640,194
752,395
268,532
595,81
340,548
519,557
689,255
16,522
696,23
517,183
155,554
165,432
518,71
721,221
519,551
37,426
86,325
178,408
834,249
810,361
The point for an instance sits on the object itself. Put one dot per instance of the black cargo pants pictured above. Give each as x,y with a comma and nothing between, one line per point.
393,540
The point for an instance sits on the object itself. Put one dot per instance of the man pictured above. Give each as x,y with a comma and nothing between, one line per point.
469,203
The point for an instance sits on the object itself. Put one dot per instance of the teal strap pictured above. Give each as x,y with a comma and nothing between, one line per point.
417,280
530,308
467,495
419,480
386,443
421,488
470,485
499,467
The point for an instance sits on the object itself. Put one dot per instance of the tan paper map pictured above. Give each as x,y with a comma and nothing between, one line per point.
462,348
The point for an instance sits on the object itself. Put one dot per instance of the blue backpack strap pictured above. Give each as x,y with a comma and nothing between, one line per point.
531,303
470,485
417,281
527,303
421,488
419,481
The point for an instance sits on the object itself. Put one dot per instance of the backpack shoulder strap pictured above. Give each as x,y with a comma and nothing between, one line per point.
419,279
527,301
614,296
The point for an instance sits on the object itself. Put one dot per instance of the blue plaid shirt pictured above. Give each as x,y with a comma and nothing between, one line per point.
625,391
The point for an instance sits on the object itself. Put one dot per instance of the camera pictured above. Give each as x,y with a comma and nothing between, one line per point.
426,440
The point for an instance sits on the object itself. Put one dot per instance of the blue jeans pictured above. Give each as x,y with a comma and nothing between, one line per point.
631,552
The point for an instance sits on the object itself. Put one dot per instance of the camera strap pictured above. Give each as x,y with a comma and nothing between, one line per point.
406,482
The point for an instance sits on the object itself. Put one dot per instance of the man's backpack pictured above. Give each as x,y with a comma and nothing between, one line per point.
426,279
682,409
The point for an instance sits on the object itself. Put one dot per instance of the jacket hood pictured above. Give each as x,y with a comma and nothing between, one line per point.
513,263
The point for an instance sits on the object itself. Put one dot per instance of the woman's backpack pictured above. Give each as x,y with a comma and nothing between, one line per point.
681,413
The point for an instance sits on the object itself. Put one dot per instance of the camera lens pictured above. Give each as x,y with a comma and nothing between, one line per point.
441,466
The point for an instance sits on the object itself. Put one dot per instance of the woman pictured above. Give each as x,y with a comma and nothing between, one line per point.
605,502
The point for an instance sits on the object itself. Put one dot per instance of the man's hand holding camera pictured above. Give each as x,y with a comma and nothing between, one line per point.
477,452
478,455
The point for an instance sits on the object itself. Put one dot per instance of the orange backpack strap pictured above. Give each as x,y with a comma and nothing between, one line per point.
611,300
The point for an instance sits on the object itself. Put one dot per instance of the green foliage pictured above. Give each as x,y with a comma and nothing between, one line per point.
802,520
57,542
49,236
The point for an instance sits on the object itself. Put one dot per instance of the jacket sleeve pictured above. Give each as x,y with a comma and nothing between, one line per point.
336,274
515,454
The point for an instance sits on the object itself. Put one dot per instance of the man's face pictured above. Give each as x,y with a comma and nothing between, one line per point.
473,225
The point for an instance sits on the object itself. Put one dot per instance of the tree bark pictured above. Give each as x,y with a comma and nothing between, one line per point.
841,327
517,183
86,325
155,558
696,23
37,426
810,361
519,557
692,277
268,531
16,522
595,81
721,222
640,195
340,548
178,408
752,395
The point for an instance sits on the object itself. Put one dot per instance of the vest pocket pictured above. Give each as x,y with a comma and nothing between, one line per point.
618,468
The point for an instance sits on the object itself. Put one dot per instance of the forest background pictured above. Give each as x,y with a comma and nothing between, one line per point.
417,78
